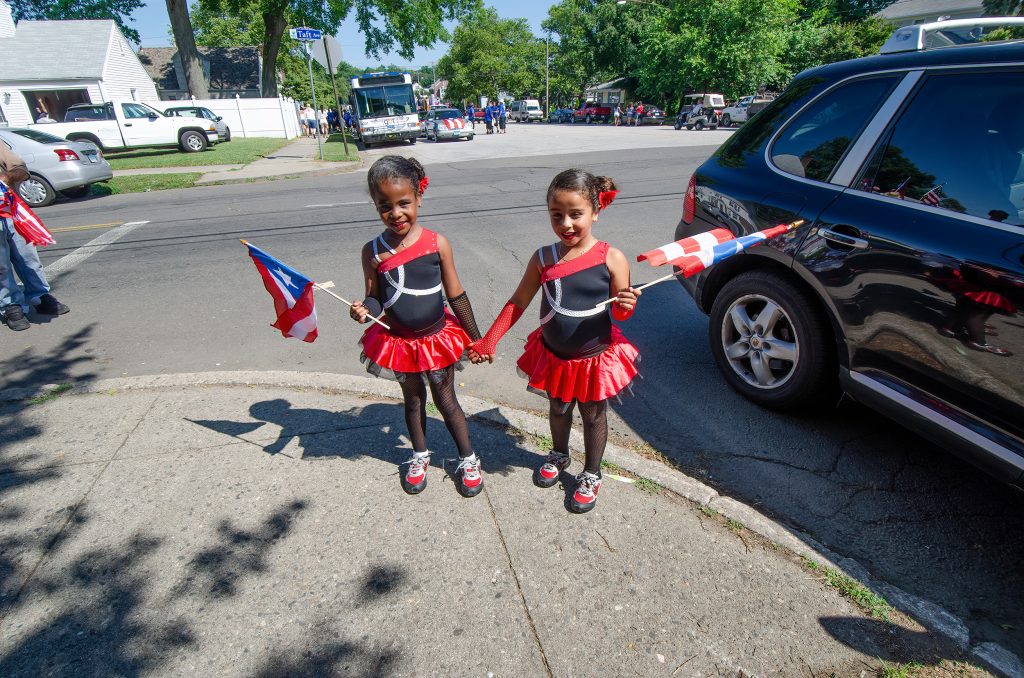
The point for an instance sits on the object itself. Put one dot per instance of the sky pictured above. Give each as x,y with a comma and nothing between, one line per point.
154,30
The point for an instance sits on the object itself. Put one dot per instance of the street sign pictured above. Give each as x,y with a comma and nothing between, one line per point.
306,34
329,56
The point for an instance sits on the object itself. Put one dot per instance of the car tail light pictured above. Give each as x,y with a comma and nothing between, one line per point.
66,154
690,200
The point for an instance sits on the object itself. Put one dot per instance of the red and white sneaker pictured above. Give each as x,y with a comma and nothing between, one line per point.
585,496
414,480
468,480
554,464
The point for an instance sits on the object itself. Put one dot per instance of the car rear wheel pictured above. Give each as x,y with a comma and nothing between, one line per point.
771,343
37,191
726,120
76,192
192,141
227,134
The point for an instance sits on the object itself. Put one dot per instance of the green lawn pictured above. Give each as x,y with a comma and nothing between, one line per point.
238,151
334,149
140,183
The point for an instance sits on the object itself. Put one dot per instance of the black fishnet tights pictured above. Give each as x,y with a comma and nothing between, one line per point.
443,392
595,429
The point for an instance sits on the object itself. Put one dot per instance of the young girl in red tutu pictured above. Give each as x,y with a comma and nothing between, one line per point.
406,268
576,357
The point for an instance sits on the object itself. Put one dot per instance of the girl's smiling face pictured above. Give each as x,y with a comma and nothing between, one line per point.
572,216
397,202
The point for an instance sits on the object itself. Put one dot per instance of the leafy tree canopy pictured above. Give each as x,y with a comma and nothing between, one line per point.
118,10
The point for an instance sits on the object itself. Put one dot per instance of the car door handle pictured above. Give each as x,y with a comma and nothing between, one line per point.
127,124
843,239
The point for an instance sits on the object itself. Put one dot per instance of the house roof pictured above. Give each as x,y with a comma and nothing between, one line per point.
914,8
230,67
88,41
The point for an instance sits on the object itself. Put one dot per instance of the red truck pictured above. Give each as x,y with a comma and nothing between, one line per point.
588,112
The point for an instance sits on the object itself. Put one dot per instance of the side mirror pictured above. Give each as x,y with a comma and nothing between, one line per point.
219,118
153,116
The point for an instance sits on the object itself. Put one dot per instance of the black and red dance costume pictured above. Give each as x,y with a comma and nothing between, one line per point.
424,336
577,353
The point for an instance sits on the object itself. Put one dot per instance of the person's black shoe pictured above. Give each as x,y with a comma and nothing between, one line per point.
15,318
48,305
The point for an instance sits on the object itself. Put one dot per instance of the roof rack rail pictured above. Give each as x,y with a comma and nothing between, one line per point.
912,38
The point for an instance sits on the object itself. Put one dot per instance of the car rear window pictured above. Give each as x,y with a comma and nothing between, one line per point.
41,137
978,169
447,115
814,142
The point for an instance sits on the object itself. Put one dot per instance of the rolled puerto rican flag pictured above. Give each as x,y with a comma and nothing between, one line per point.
667,254
691,264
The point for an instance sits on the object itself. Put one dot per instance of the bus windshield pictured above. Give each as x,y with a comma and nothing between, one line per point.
387,100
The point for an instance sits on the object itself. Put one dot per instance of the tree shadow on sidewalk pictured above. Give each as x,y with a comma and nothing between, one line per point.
376,430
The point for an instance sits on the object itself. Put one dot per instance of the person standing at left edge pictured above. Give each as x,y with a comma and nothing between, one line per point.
18,256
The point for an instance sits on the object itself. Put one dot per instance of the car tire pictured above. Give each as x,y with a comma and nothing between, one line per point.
412,141
726,120
76,192
227,134
191,141
37,191
801,371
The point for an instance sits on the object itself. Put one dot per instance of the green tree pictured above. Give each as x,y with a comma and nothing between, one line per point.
489,55
118,10
185,40
386,25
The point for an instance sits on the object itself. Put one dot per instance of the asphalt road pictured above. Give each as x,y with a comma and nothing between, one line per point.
178,294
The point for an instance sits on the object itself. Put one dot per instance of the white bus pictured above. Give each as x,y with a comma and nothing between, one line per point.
384,107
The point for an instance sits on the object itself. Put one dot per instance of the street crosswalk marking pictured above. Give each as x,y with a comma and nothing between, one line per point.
92,247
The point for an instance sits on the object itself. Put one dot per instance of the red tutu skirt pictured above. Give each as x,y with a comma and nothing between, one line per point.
384,350
584,379
993,299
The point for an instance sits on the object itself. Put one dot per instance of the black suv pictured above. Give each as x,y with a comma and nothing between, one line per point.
905,285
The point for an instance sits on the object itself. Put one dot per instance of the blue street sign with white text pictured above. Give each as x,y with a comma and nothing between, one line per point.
306,34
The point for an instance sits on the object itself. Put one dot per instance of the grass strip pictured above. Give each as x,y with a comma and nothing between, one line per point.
334,149
51,394
852,589
235,152
142,183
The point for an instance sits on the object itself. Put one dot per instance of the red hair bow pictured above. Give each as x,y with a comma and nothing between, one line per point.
424,182
605,198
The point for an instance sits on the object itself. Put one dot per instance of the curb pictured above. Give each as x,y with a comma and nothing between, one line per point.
933,617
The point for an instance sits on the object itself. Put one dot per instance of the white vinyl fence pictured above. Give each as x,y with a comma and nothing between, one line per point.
252,117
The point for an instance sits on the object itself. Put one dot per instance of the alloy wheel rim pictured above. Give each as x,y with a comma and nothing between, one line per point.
194,143
759,342
32,191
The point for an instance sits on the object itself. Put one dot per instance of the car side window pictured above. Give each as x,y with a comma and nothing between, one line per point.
134,111
978,169
815,141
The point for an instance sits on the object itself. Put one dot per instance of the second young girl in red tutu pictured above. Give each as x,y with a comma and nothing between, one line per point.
406,268
577,357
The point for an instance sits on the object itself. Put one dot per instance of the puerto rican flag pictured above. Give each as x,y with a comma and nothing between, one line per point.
933,197
697,261
454,123
668,254
292,293
26,223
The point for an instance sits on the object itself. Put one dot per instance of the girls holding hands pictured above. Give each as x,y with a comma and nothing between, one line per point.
405,270
577,357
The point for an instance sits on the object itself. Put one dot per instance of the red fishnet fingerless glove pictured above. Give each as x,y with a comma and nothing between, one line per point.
502,324
620,313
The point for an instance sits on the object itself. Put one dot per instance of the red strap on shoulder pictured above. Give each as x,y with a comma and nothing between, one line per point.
595,256
424,245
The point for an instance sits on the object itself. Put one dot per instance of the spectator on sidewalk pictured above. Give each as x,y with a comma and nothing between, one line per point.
502,117
17,256
489,118
618,114
471,114
322,119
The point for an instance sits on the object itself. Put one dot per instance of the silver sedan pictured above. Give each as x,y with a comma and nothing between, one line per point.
55,164
448,123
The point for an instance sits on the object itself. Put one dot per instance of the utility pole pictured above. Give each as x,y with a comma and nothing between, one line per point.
547,81
308,44
337,101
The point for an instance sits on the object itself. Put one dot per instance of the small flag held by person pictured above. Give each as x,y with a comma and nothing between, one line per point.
292,293
667,254
26,223
933,197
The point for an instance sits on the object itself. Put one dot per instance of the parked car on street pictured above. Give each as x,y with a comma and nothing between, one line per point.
526,110
561,115
591,112
55,165
448,123
652,116
223,131
904,287
119,125
739,112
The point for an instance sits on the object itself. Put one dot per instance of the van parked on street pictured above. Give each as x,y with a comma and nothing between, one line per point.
526,110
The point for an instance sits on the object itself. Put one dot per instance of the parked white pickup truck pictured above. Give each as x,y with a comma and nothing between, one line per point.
740,111
118,125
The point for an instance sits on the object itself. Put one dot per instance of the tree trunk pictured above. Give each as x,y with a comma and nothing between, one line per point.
273,33
185,39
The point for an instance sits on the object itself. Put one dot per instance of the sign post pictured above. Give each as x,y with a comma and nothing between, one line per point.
308,36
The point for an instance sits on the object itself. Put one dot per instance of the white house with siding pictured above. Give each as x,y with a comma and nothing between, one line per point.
50,65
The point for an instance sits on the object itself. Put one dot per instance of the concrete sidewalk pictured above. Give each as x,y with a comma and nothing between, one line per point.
297,158
253,524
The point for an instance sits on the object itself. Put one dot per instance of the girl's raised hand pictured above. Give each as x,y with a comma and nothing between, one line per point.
626,299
